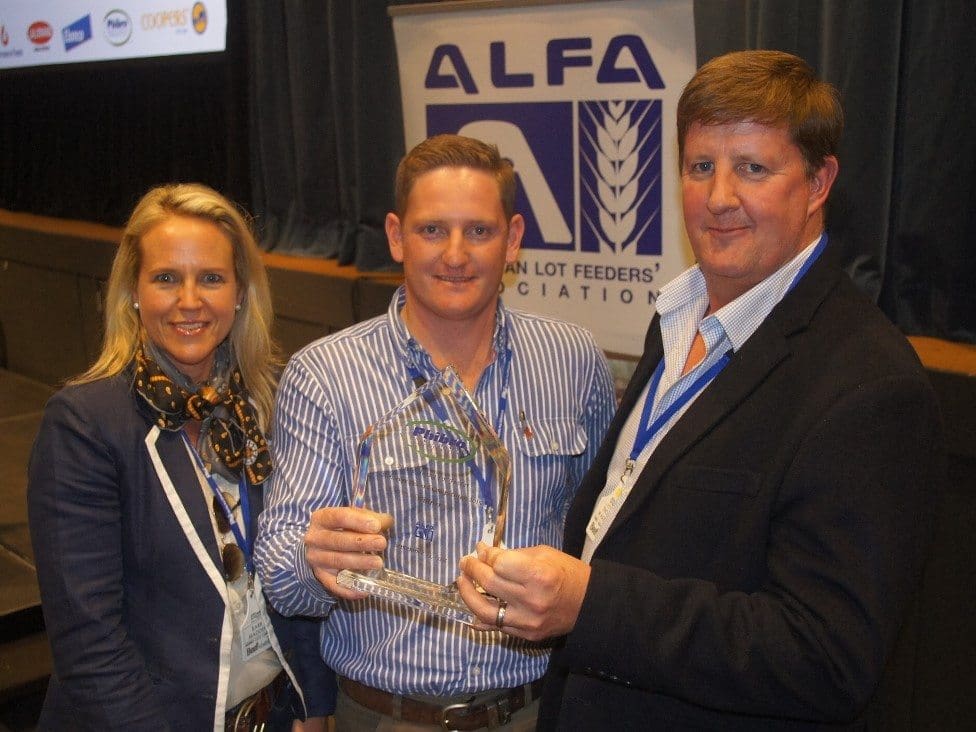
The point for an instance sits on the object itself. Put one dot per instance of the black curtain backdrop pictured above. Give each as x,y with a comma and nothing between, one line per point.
903,211
300,122
326,127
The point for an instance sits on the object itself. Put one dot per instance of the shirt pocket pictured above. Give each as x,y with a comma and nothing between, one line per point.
550,438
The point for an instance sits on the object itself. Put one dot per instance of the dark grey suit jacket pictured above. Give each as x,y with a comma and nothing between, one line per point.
761,567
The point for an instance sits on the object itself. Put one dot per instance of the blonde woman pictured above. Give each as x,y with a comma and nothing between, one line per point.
145,485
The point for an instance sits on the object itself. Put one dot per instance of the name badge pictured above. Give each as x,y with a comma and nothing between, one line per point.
605,510
253,633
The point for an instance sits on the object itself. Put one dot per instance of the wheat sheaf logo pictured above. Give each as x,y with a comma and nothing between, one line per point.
620,170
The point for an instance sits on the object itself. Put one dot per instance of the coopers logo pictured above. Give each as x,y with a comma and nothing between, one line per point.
199,14
77,33
40,33
117,27
165,20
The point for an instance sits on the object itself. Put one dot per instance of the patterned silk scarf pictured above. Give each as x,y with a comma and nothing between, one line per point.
230,420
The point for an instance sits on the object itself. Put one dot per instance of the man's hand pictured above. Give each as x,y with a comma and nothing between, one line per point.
543,589
345,538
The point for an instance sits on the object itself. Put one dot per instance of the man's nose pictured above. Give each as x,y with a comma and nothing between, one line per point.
722,193
456,252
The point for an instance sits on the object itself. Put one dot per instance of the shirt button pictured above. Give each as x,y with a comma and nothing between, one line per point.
476,670
388,460
553,445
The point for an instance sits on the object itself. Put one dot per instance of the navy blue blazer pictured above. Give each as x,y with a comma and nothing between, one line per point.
758,572
134,599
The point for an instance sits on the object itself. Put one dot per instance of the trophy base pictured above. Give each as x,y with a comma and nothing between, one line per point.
442,600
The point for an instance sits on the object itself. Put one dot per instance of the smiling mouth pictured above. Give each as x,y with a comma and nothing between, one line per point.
189,328
455,279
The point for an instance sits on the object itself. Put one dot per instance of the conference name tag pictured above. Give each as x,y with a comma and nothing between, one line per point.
605,510
253,634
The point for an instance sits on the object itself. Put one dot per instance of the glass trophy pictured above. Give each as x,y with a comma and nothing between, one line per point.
438,467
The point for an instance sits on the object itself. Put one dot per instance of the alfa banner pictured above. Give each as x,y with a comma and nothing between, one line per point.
581,98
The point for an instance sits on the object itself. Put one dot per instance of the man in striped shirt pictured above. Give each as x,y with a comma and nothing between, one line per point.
542,383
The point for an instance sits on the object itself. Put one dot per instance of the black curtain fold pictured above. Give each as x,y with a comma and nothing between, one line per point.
326,127
901,214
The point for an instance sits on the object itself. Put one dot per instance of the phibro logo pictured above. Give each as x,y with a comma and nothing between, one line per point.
117,27
77,33
440,442
589,170
423,531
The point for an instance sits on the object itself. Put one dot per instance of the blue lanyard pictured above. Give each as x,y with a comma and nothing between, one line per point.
646,431
484,481
245,545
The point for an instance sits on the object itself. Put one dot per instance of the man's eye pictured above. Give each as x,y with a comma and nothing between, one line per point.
701,167
479,230
754,168
429,230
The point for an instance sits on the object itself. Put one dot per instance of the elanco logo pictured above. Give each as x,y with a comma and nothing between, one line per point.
117,27
199,14
40,33
77,33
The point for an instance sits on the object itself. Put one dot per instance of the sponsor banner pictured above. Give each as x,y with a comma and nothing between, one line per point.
581,97
48,32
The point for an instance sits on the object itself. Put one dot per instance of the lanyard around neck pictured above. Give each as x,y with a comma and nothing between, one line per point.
244,543
647,428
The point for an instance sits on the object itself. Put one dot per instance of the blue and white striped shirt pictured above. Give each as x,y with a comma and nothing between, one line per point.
559,405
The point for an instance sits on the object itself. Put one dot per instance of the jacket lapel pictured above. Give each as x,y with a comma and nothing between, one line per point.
746,371
182,489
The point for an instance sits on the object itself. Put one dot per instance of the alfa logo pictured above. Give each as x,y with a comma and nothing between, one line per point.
616,147
620,176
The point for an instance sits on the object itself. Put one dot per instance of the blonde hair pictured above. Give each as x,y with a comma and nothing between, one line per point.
252,347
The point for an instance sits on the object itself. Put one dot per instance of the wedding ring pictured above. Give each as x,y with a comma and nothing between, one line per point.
500,618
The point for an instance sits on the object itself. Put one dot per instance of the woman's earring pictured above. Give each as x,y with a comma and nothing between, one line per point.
135,305
237,307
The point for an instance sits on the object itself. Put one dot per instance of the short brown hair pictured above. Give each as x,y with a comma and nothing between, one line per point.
770,88
455,151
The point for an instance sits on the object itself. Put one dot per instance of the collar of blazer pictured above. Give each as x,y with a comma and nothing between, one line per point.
183,493
766,348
